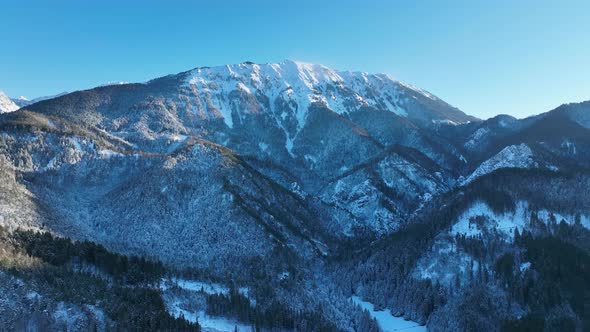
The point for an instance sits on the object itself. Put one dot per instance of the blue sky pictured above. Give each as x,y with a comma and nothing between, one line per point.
485,57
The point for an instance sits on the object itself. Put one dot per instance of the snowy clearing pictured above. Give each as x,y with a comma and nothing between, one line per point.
388,322
209,323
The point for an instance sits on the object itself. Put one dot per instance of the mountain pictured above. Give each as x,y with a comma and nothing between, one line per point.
270,194
313,121
21,101
6,104
285,96
24,101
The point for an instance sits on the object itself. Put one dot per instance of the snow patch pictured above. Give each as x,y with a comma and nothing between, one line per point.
199,286
386,321
525,266
179,138
469,225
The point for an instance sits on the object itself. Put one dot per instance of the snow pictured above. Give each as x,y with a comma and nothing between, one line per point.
23,101
504,223
525,266
443,262
289,146
310,159
386,321
76,142
6,104
208,323
544,215
51,164
106,154
297,85
516,156
197,286
32,295
445,121
508,221
476,138
243,87
570,146
296,189
110,83
61,312
177,141
179,138
220,324
416,89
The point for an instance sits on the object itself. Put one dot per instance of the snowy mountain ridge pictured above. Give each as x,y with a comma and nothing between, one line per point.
6,104
516,156
291,87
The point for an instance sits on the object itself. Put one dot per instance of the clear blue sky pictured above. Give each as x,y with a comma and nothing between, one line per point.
485,57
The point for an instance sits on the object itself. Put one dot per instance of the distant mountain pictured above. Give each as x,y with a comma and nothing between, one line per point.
23,101
6,104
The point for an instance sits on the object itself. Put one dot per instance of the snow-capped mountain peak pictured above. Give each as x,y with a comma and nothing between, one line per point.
6,104
292,87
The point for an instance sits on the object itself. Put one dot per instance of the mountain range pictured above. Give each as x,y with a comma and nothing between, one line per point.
305,186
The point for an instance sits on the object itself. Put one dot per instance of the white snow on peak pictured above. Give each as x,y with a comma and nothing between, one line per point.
312,74
516,156
290,87
109,83
6,104
301,83
417,89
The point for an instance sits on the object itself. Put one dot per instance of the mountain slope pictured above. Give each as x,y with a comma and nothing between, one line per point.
312,120
6,104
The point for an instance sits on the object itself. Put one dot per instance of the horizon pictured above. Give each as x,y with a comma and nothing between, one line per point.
517,59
